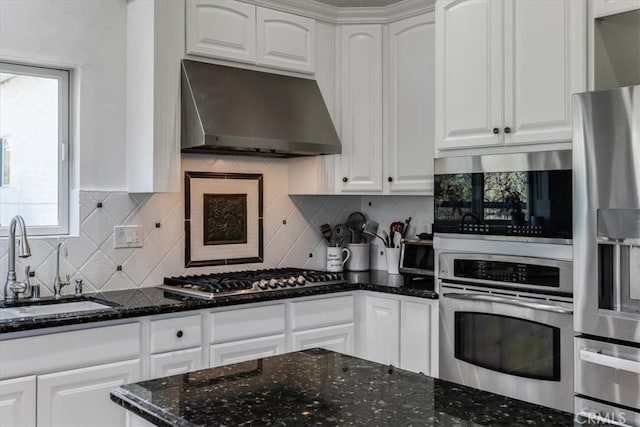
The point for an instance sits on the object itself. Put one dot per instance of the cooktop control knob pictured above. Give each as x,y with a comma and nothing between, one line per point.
301,280
291,281
263,284
273,283
282,282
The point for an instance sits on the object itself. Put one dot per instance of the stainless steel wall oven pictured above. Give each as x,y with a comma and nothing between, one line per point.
506,325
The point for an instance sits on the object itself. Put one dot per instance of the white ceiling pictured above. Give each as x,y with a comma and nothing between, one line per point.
358,3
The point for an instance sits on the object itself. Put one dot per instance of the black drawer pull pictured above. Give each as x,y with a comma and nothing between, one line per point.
179,334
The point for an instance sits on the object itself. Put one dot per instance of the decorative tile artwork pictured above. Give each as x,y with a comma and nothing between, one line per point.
223,218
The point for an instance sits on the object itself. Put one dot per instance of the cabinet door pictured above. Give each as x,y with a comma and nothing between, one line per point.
18,402
176,362
81,397
336,338
544,66
468,73
382,330
285,41
611,7
221,29
418,345
251,349
361,94
410,109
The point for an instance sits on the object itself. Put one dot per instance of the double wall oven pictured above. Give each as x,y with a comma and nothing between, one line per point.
507,326
506,311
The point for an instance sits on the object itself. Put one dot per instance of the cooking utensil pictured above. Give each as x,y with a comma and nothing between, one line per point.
327,232
406,227
369,231
397,237
339,234
355,223
385,239
372,235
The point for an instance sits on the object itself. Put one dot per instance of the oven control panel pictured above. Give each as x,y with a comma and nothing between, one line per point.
509,272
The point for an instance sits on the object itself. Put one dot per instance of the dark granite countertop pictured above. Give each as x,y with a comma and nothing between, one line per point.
320,387
150,301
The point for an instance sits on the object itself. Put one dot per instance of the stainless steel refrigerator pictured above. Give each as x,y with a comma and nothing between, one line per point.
606,250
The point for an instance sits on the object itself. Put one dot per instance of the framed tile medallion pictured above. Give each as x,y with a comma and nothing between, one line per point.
223,218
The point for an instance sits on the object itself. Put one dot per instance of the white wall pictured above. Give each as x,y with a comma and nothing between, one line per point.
90,38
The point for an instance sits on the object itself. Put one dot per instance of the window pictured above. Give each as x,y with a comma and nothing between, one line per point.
34,134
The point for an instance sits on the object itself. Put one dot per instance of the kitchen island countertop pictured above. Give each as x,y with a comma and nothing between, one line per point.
151,301
320,387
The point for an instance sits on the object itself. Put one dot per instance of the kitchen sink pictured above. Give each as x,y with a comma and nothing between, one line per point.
23,311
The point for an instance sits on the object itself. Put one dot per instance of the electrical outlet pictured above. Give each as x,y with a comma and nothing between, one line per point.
128,236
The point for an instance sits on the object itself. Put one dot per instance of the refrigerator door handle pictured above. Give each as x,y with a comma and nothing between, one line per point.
609,361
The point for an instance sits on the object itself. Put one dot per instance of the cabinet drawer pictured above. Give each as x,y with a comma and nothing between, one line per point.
251,349
322,312
609,372
244,323
64,350
176,334
176,362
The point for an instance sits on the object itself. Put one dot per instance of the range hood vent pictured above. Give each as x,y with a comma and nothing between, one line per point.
228,110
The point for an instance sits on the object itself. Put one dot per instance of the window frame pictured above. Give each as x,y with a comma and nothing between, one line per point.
63,76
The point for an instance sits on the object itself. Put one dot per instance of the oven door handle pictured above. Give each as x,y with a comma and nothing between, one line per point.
609,361
511,301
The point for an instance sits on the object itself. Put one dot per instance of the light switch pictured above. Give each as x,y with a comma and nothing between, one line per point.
128,236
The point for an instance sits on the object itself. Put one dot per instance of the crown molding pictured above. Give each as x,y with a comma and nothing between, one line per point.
349,15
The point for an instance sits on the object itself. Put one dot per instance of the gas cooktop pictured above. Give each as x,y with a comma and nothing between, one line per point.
207,286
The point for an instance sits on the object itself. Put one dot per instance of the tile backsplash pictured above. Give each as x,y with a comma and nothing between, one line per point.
291,232
292,235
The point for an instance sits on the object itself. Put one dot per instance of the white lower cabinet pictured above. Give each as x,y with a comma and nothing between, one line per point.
401,331
175,362
382,330
18,402
419,336
250,349
338,338
80,397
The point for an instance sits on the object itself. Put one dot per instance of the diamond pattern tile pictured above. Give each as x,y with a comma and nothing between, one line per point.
119,206
87,205
98,226
79,249
138,266
98,270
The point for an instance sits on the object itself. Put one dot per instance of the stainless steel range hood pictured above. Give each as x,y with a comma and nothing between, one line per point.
228,110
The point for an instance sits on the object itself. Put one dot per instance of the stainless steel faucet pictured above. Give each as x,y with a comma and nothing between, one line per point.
58,283
13,288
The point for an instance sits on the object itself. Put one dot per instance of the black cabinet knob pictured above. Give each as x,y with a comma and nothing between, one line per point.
345,179
496,131
507,130
390,179
179,334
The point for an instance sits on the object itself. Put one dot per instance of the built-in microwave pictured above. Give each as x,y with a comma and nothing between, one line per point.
515,196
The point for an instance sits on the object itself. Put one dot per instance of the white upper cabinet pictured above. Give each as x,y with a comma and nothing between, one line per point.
361,92
241,32
410,108
544,66
468,73
155,46
222,28
285,40
612,7
502,77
